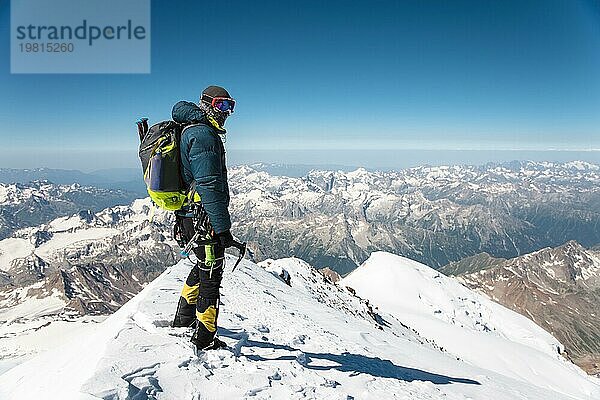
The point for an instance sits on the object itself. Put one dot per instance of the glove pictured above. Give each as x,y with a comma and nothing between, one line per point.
225,239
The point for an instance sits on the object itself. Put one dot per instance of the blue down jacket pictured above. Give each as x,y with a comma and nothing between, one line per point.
203,161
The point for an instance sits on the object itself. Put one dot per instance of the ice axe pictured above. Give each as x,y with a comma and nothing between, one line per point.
242,249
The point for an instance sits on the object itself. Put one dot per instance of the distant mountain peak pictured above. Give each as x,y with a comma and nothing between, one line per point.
434,214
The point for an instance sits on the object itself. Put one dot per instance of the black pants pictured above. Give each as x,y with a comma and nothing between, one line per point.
200,294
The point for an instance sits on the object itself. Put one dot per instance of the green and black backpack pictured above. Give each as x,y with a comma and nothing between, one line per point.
161,163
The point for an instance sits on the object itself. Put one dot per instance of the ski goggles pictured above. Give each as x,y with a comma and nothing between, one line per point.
220,103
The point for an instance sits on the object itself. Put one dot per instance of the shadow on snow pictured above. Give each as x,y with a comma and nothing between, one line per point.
347,362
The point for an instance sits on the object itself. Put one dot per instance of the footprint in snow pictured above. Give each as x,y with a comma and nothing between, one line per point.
143,383
303,359
254,392
330,383
275,377
215,359
263,329
162,323
299,339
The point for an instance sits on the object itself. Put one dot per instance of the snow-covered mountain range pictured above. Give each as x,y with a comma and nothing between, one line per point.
558,288
85,263
29,204
435,215
60,278
429,338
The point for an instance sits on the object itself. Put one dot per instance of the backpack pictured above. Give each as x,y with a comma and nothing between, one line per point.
161,164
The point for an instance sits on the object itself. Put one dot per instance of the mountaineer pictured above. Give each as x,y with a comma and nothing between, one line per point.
204,170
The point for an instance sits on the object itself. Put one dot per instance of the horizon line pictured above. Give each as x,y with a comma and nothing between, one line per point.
121,150
250,164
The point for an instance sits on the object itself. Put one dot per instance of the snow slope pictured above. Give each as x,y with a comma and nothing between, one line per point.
310,340
23,339
467,324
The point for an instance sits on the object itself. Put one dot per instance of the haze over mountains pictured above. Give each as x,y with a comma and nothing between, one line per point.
29,204
127,179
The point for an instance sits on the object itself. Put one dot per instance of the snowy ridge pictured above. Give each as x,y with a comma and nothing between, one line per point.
461,321
310,340
17,193
558,288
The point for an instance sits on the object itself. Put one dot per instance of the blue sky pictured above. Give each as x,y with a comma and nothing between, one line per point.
332,75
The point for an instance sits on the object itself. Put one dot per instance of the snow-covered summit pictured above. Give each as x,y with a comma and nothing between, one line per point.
293,335
465,323
558,288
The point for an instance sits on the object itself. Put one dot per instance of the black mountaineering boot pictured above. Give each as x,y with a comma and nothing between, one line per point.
219,344
202,337
216,344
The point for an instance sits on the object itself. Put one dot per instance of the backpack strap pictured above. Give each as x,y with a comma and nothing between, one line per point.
192,195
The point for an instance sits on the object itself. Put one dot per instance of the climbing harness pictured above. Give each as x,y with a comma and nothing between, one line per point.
204,236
